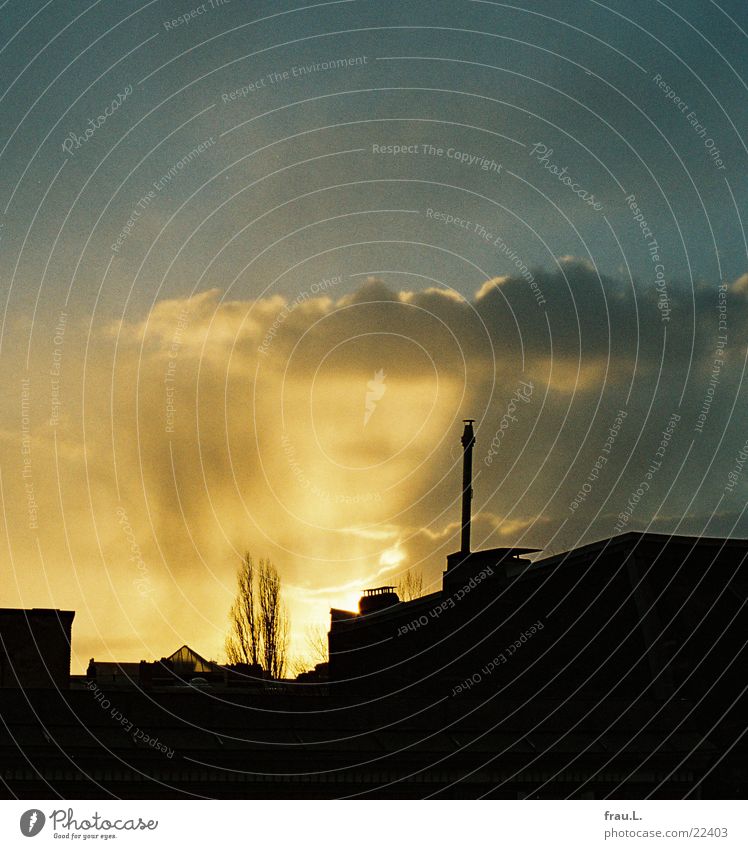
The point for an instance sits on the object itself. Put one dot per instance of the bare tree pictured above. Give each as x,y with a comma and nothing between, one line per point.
410,586
316,650
316,643
243,641
273,620
258,619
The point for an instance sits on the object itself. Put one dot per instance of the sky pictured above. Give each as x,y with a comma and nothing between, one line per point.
259,260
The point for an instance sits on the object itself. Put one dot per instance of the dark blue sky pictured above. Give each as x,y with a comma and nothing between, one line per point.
485,78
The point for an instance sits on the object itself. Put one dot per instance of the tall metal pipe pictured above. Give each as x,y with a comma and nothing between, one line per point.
468,441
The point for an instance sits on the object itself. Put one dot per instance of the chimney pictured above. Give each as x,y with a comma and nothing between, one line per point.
468,440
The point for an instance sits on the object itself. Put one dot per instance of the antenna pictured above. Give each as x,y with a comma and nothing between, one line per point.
468,441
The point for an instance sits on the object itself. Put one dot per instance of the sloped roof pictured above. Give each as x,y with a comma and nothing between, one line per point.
187,657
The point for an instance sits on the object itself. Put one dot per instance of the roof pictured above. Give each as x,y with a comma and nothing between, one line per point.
635,538
185,656
36,611
501,551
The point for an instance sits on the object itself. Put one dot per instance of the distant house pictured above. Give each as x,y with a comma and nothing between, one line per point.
113,674
183,668
35,647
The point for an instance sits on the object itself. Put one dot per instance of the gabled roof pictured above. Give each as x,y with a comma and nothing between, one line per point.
185,656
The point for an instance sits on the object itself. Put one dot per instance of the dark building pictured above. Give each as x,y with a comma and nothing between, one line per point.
636,616
35,648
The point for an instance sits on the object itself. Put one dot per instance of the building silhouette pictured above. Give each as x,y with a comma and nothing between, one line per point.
35,648
183,668
639,615
615,670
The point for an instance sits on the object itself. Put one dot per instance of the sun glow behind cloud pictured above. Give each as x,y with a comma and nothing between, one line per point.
269,452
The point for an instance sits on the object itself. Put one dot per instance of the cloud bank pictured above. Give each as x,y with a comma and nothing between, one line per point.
213,426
